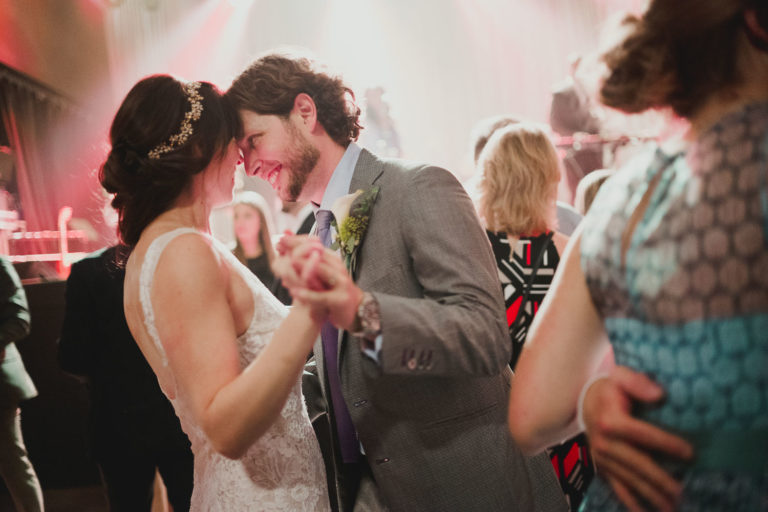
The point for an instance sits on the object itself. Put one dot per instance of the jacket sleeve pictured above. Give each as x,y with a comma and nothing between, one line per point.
457,327
14,310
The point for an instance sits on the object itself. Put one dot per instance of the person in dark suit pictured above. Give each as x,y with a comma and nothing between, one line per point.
134,430
296,217
15,386
306,225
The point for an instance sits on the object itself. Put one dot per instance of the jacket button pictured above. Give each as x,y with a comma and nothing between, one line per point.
382,461
360,402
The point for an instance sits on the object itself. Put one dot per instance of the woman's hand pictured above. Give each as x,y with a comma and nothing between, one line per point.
297,260
622,445
339,297
316,276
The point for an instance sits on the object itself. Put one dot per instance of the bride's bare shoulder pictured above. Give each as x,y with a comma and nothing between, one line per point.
189,264
187,260
186,247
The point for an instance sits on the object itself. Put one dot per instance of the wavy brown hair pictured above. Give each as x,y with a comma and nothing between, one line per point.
269,86
677,55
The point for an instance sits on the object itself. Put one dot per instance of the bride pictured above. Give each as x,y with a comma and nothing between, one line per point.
225,351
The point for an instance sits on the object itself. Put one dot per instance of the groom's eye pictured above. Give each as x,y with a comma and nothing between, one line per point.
253,139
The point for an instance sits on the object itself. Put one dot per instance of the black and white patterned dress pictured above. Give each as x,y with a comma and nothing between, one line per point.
529,267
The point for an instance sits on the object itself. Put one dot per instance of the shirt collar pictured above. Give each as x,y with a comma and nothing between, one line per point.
341,178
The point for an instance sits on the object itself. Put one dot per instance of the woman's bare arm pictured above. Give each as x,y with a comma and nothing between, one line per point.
234,406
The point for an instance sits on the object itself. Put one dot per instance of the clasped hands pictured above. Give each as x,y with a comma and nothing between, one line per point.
317,277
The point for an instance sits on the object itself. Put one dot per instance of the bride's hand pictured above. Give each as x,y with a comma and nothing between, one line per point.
296,263
316,276
297,267
339,297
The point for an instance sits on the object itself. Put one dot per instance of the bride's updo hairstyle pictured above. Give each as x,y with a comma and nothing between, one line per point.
164,133
679,53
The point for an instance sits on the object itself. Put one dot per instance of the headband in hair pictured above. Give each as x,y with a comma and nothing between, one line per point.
196,108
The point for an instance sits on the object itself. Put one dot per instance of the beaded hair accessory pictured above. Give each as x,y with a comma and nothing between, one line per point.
196,108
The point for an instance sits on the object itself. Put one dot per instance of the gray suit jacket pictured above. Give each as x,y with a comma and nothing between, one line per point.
432,414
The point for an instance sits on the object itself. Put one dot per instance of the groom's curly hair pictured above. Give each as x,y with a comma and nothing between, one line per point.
271,83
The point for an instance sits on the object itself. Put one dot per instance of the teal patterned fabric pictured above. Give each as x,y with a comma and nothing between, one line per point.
687,303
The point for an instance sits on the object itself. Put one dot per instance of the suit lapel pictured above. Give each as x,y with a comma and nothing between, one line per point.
367,170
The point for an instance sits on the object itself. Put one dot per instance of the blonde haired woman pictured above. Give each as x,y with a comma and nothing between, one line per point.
252,223
519,174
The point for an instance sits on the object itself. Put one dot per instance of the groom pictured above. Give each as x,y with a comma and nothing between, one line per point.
416,378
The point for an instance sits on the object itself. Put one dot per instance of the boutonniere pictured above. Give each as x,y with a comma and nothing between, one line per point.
351,214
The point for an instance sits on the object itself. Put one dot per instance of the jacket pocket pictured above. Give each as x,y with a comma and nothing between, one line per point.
462,417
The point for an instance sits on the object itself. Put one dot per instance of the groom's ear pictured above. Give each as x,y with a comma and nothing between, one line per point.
304,106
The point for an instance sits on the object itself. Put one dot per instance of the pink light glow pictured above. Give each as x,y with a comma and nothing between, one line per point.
444,64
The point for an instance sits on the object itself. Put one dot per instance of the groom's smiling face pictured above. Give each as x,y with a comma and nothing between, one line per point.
275,150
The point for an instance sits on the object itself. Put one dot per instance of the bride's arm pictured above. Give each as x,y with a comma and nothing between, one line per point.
195,323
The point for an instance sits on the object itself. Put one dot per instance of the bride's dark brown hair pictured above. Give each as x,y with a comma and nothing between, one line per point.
150,114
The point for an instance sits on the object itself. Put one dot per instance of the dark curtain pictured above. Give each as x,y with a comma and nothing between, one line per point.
45,131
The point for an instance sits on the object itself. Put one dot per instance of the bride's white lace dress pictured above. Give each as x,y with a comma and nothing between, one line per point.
282,470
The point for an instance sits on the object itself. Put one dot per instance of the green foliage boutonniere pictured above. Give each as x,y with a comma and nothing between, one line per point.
351,215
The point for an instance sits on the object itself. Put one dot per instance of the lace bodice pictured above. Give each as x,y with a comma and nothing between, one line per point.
282,470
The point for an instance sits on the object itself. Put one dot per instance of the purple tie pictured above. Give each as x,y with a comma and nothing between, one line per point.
350,447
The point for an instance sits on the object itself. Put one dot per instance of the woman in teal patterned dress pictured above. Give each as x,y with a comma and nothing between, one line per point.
672,267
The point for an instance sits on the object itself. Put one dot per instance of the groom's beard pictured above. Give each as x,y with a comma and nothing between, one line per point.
303,159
